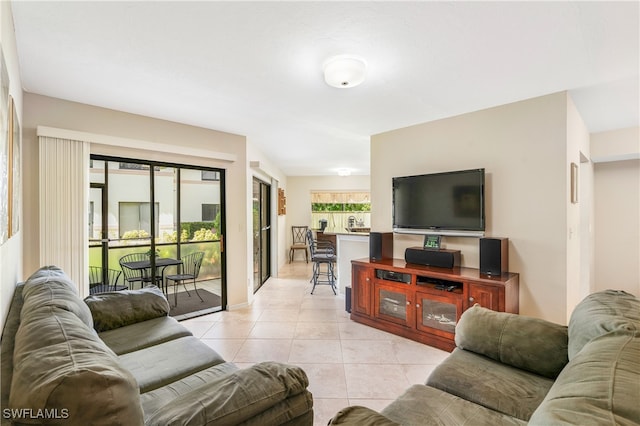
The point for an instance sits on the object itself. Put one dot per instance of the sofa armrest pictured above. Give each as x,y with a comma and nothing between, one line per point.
527,343
121,308
360,416
234,398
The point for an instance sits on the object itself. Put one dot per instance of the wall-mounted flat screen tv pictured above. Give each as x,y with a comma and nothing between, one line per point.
450,203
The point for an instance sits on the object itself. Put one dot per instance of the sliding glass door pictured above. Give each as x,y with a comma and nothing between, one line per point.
261,233
160,211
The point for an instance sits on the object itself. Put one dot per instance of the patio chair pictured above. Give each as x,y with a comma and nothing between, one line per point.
187,271
97,283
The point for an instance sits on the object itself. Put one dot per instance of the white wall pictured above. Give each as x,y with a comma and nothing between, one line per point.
617,209
579,214
262,168
11,271
523,148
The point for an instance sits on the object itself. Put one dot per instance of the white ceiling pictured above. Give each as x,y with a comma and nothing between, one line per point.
255,68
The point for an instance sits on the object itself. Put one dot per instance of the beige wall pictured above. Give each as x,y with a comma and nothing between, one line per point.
11,251
56,113
523,148
263,169
617,209
579,214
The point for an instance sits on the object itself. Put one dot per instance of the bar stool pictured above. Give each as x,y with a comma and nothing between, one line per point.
323,258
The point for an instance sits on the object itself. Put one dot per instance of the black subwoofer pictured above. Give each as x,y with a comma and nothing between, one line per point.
347,299
494,256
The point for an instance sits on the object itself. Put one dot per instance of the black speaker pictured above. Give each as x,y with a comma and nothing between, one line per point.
347,299
380,245
494,255
441,258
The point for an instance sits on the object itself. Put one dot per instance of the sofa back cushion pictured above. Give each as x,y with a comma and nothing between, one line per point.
598,387
62,368
527,343
600,313
50,286
121,308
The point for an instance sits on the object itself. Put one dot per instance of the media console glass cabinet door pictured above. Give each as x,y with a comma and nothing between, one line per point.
424,303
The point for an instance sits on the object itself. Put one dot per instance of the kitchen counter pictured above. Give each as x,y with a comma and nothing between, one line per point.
349,245
345,231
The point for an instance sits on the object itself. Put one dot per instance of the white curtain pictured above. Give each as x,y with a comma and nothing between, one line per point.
64,195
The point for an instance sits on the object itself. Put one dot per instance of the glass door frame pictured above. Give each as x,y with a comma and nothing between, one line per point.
262,241
104,237
152,200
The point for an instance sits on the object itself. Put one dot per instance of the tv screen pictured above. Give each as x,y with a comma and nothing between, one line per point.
450,203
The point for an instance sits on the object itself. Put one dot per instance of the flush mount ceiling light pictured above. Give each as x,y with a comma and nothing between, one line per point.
344,172
344,71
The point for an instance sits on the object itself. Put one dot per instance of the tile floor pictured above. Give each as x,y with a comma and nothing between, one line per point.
347,363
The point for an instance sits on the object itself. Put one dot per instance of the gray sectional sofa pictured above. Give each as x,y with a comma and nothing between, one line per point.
509,369
119,359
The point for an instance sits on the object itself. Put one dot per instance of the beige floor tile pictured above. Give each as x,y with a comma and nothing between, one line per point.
368,352
273,330
418,374
227,348
354,331
317,315
314,301
325,408
315,351
410,352
198,328
258,350
317,330
347,363
243,315
229,330
380,381
279,315
326,380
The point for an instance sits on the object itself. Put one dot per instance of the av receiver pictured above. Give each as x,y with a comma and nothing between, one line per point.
399,277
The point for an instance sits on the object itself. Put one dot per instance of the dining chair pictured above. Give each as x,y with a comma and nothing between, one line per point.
299,242
188,270
97,283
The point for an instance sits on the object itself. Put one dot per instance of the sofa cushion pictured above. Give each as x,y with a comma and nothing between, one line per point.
425,406
599,386
257,391
61,366
484,381
143,334
167,362
357,415
528,343
121,308
600,313
156,399
50,286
